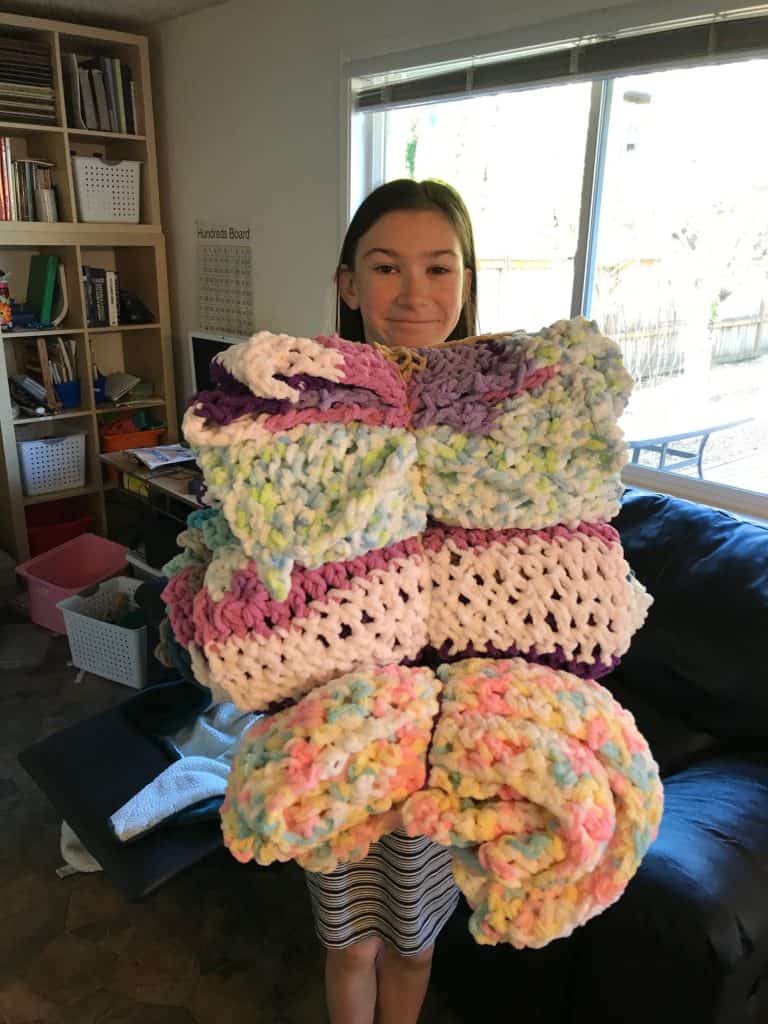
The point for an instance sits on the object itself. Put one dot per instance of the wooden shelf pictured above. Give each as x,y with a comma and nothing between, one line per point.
74,492
86,133
44,333
135,251
122,327
139,403
70,414
20,126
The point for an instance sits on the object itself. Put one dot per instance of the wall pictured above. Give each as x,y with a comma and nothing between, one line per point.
250,126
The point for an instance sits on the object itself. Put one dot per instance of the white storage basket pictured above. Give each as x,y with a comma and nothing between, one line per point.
103,648
52,464
107,190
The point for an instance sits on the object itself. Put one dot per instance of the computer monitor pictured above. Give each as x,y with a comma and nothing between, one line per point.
203,346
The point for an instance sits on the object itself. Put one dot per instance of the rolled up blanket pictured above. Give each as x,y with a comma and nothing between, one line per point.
548,791
318,782
562,597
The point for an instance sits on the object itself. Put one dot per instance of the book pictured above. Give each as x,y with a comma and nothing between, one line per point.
61,298
72,96
113,303
134,108
119,95
127,82
46,206
87,295
109,80
119,384
90,116
43,272
102,105
5,211
99,284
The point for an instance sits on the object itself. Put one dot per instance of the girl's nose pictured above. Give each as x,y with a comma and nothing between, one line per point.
413,287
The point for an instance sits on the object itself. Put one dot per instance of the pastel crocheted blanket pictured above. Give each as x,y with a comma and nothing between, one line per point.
391,529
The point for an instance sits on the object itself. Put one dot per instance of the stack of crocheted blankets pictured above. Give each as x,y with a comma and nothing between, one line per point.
376,513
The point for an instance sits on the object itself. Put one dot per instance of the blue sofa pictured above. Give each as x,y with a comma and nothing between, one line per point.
688,941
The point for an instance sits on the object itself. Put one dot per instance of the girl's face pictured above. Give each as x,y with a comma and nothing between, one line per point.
409,281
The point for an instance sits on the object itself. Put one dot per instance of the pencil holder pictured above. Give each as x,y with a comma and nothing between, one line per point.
69,393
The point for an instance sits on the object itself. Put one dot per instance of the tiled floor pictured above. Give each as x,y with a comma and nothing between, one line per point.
221,943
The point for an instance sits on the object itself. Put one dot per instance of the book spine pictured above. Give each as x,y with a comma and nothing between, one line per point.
4,207
29,174
15,197
106,66
119,94
113,309
99,280
130,125
90,309
134,109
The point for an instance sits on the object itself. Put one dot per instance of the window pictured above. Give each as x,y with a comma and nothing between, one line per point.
517,158
681,278
640,200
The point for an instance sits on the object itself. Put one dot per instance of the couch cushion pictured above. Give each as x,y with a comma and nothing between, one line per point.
701,653
690,933
673,744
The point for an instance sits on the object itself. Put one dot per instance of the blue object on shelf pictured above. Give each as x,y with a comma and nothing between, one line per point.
69,393
99,392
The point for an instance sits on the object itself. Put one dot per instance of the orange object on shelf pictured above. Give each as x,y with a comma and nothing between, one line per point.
136,439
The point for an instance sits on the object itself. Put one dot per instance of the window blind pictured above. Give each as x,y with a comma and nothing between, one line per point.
716,40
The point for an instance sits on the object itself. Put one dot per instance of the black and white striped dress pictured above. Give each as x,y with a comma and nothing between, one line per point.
403,891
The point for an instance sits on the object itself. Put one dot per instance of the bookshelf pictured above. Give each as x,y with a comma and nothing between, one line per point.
136,251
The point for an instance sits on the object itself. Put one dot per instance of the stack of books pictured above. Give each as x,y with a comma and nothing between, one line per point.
26,187
26,81
102,296
100,94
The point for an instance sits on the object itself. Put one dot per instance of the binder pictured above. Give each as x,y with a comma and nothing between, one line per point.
43,272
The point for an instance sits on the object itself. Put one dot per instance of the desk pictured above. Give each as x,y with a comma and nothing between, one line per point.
661,445
163,510
170,483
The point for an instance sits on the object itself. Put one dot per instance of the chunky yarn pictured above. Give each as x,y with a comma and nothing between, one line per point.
367,612
558,596
317,781
376,511
543,785
315,494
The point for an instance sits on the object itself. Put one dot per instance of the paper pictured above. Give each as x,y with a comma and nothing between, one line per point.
164,455
225,277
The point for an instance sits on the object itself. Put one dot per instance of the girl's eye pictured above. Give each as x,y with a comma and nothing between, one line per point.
439,270
385,268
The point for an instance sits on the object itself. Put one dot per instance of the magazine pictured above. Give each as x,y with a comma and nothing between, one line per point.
163,455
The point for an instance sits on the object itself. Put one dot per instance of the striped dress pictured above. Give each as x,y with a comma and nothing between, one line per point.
403,891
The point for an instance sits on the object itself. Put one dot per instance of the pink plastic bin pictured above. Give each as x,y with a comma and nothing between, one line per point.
66,570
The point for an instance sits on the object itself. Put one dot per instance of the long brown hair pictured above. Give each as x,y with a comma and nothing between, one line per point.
405,194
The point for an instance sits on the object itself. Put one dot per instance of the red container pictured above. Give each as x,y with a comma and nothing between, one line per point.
53,522
66,570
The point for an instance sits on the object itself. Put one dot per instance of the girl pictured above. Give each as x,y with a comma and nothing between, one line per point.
406,276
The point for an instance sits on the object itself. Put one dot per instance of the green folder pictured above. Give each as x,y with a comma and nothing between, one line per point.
43,271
